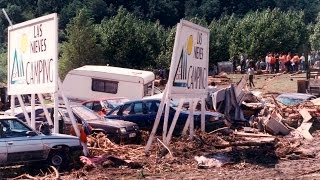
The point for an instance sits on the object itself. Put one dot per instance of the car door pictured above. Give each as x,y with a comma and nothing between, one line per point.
22,147
3,147
134,113
152,109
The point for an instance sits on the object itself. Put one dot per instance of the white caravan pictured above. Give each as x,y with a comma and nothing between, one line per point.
92,82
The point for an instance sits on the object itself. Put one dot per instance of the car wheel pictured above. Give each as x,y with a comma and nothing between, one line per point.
58,159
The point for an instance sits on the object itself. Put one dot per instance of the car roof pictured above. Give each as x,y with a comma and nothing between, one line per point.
19,110
295,95
103,99
2,117
141,100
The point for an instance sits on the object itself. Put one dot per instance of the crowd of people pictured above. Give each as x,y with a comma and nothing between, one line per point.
275,63
278,62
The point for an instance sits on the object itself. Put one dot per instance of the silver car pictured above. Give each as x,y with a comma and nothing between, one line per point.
21,144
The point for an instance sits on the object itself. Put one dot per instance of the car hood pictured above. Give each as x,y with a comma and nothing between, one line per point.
114,123
59,136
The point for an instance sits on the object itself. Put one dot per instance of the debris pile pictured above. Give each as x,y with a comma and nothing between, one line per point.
220,79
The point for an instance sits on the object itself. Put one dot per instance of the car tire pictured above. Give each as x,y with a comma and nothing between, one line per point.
58,159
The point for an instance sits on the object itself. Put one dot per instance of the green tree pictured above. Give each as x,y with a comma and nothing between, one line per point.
3,67
220,36
50,6
314,38
269,31
164,58
68,12
130,42
167,12
81,47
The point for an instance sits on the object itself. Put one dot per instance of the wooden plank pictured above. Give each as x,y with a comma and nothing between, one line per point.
252,135
304,130
305,114
316,102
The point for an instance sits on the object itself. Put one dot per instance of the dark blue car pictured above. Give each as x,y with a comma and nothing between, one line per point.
143,113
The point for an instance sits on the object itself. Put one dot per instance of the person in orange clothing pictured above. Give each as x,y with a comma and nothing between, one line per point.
288,63
272,63
283,60
295,62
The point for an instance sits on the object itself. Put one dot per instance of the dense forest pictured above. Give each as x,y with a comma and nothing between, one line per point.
140,33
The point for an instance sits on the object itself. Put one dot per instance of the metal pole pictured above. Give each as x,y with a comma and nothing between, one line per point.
6,15
33,114
12,101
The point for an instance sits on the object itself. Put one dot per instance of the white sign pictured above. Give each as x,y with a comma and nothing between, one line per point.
33,55
189,64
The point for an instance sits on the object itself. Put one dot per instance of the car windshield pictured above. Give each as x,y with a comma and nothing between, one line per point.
13,128
111,103
85,113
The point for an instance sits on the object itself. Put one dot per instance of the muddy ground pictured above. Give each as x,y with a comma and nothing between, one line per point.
280,159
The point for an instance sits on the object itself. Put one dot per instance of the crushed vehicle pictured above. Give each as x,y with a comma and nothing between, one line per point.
289,99
19,144
103,105
117,131
143,112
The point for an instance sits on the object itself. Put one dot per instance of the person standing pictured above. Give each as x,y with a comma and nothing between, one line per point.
251,74
295,62
303,63
277,63
288,63
283,59
272,63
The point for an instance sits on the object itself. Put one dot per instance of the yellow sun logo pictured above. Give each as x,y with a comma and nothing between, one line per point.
190,44
24,43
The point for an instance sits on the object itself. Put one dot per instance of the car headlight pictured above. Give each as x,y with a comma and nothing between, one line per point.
123,130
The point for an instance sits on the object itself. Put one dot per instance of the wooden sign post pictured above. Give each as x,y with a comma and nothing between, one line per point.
188,78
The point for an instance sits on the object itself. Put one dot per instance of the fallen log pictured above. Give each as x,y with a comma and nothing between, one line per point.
244,143
252,134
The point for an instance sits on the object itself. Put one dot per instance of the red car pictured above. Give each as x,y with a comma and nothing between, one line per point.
103,105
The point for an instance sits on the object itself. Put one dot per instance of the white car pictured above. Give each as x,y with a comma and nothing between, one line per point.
19,144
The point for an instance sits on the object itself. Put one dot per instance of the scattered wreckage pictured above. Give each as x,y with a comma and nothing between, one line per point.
259,128
253,121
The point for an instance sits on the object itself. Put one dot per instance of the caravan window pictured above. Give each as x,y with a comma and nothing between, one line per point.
148,89
104,86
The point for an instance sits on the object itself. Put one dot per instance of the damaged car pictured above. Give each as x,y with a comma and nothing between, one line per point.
144,112
290,99
20,144
117,131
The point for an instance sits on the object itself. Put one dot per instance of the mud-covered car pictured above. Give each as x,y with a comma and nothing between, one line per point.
117,131
19,144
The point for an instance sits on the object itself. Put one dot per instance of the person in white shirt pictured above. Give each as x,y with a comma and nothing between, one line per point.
303,63
251,73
